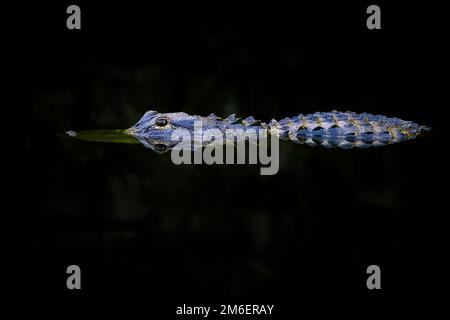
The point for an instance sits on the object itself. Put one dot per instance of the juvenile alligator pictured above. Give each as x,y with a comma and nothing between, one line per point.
329,129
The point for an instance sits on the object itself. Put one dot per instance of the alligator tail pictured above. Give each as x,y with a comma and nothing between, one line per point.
345,129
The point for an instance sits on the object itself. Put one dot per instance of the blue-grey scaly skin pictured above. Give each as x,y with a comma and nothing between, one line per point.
329,129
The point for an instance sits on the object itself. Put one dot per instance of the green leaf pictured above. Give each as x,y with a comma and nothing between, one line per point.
116,136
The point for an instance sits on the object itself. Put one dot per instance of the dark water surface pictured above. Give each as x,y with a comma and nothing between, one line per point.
137,224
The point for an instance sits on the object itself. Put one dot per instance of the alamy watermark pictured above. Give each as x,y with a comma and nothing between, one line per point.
74,278
74,20
374,280
208,146
374,20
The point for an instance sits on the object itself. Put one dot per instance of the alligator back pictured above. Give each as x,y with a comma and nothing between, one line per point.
345,129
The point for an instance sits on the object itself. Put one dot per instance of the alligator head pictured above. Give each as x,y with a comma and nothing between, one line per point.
154,130
155,125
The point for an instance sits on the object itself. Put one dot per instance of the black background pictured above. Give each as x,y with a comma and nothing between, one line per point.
139,226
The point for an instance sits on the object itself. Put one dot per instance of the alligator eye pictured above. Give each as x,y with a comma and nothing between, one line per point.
161,122
160,147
